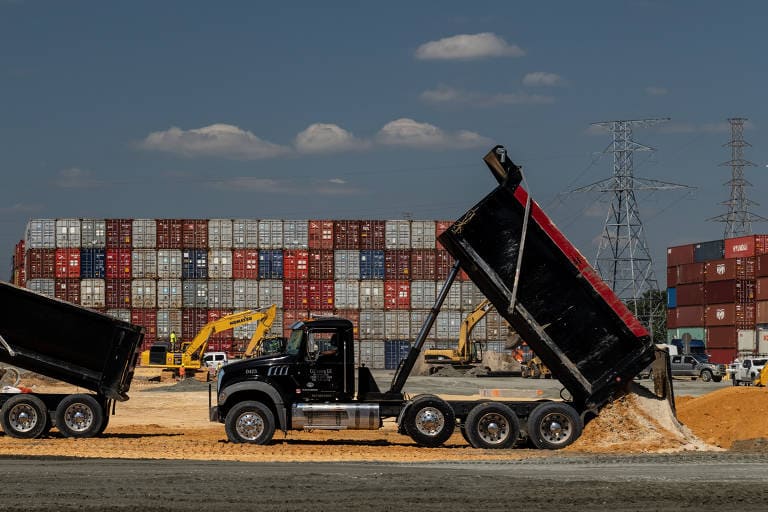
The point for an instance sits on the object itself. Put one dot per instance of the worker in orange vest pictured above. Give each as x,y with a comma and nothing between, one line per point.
182,373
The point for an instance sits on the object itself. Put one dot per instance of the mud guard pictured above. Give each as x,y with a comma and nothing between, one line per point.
662,377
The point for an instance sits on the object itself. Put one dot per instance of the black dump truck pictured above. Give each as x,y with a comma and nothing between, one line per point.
536,280
69,343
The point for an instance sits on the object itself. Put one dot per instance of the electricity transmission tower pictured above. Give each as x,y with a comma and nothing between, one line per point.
738,220
623,259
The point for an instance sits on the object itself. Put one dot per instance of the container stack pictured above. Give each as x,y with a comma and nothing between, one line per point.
178,274
717,292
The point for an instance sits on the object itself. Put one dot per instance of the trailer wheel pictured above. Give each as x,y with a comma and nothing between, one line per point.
25,417
553,426
492,425
429,421
79,416
250,422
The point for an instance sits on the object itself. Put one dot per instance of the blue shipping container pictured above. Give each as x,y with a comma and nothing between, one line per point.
394,352
371,264
271,264
708,251
671,297
194,264
92,263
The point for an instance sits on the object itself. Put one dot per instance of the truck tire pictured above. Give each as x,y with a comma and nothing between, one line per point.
706,375
24,416
250,422
552,426
429,421
79,416
492,425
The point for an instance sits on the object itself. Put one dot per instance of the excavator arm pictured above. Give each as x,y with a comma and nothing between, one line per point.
265,323
464,348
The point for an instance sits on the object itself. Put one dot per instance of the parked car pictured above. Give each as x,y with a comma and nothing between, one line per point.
695,366
746,369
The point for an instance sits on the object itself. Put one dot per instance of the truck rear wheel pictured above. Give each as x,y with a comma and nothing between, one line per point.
429,421
79,416
250,422
552,426
24,416
492,425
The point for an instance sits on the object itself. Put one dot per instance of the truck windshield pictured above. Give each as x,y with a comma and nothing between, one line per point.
293,346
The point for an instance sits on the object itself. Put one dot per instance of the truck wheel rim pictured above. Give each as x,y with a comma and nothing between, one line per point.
555,428
250,426
493,428
23,417
78,417
430,421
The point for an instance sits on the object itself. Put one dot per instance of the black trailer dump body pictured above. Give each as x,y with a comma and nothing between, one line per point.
557,303
69,343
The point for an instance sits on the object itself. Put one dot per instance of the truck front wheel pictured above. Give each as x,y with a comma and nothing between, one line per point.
79,416
250,422
24,416
429,421
553,426
492,425
706,375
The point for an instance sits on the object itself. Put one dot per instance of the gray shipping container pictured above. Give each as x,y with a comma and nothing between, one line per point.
708,251
447,325
372,294
397,234
194,293
471,295
370,353
169,294
169,263
144,263
346,264
220,264
41,234
270,292
347,294
417,320
45,287
371,324
423,294
397,324
220,234
92,293
423,234
68,233
170,320
245,234
453,300
144,233
270,234
245,294
220,293
143,293
296,234
120,314
93,233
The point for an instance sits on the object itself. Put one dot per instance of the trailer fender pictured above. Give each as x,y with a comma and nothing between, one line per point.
259,387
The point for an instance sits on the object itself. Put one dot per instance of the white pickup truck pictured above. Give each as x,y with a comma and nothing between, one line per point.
746,369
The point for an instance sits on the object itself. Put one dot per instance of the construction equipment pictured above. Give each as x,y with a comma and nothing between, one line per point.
762,378
256,344
468,353
190,357
535,369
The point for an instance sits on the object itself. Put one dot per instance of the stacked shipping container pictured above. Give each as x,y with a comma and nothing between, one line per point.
178,274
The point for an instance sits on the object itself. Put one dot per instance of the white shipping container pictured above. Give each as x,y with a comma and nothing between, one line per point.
194,293
370,353
220,293
144,263
371,324
245,234
270,292
762,341
169,293
397,234
120,314
220,233
746,339
169,263
423,234
471,296
245,294
41,234
45,287
93,233
144,233
397,325
347,294
372,294
92,293
296,234
447,325
417,321
143,293
67,232
346,264
270,234
423,294
170,320
220,264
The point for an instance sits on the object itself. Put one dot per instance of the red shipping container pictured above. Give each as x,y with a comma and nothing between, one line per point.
290,317
680,255
67,263
118,263
761,289
722,337
320,234
68,289
147,318
440,226
321,295
169,233
690,273
746,315
397,294
690,294
222,336
727,269
353,315
762,312
761,245
194,234
192,320
245,264
721,355
463,276
741,247
320,264
423,264
295,294
761,266
18,254
671,277
372,235
346,234
720,292
397,263
685,316
296,264
118,293
41,263
443,264
119,233
720,314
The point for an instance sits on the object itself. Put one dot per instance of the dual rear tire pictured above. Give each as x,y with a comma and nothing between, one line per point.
26,416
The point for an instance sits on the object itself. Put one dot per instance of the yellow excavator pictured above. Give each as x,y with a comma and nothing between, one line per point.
190,357
468,353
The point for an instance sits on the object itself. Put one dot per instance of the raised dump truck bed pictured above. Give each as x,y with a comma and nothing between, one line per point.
70,343
558,304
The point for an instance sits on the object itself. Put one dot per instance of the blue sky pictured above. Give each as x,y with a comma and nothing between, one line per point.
190,109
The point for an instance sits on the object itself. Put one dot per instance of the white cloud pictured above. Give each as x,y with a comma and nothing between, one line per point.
223,140
445,95
21,208
333,187
468,47
656,91
542,79
338,181
410,133
75,178
327,138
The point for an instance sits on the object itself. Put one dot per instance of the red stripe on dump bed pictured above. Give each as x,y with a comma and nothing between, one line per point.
581,264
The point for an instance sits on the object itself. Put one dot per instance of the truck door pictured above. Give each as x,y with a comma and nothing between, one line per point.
325,369
689,364
676,362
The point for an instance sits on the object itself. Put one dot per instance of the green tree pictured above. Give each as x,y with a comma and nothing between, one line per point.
651,310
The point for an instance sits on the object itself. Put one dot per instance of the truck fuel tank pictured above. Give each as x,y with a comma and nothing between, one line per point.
335,416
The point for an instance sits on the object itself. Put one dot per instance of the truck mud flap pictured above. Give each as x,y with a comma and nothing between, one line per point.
662,377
